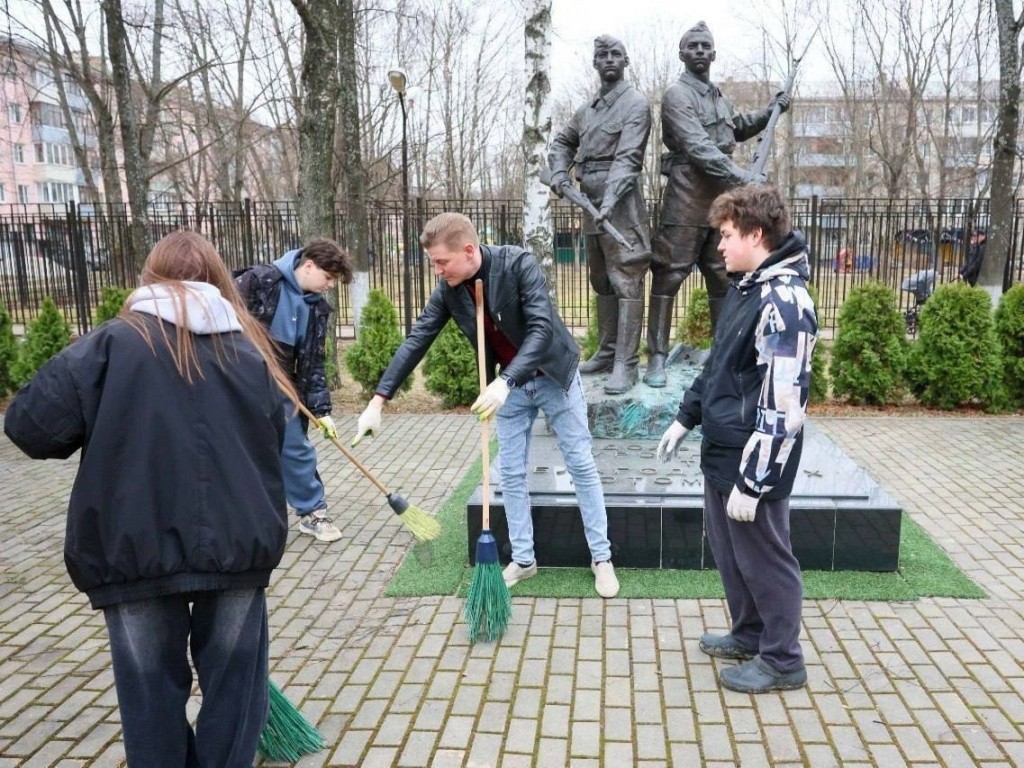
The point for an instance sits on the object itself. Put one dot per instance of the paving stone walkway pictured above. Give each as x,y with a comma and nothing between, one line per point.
580,683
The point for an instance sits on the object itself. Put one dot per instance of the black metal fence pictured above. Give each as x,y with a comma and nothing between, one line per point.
70,252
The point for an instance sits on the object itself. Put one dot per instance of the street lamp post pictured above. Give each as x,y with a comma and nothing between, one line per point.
398,81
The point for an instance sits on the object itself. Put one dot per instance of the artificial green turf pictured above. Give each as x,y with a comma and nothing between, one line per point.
440,568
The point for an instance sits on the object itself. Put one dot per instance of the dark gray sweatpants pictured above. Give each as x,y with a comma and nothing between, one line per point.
762,580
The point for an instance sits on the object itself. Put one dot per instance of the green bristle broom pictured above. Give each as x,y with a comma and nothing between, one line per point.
419,522
489,605
287,734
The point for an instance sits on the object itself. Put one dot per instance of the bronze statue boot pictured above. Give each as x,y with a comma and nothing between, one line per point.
607,326
631,322
659,329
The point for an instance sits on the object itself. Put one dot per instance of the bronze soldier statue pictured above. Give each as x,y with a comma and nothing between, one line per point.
605,142
700,128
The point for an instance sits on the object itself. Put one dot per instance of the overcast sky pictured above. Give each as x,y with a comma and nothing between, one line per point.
733,23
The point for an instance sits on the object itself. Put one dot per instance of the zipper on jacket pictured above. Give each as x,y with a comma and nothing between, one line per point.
743,395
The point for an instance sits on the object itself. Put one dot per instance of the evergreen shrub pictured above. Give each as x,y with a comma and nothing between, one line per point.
869,354
956,359
695,330
591,341
376,343
8,352
450,368
112,298
819,360
1009,322
45,336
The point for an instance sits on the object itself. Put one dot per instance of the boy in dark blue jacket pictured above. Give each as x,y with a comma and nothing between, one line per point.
751,400
288,298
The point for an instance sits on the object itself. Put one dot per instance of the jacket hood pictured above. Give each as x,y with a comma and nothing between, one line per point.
790,259
286,266
199,307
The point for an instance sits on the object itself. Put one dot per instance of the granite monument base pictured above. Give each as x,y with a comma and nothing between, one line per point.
840,518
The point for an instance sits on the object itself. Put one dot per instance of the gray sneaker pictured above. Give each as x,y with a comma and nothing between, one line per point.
725,647
514,573
755,676
319,525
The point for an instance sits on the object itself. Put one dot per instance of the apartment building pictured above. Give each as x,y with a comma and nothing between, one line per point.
38,164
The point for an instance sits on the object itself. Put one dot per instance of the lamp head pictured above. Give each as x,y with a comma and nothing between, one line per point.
398,80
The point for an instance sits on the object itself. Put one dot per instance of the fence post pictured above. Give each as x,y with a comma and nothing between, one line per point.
814,237
78,267
247,234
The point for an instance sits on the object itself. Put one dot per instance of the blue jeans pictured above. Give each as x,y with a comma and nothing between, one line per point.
567,413
149,644
302,484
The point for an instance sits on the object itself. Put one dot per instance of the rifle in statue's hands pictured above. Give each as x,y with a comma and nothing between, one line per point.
764,141
580,200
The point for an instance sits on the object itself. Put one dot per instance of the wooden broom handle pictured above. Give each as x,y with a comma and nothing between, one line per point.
485,437
348,454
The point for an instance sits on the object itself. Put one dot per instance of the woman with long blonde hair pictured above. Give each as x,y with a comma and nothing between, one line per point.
177,515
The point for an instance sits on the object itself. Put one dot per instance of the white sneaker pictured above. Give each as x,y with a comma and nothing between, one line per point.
605,581
514,573
319,525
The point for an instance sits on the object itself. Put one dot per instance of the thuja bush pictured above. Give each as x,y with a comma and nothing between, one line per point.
8,351
45,336
376,342
819,361
869,354
112,299
1009,321
695,330
819,372
450,369
956,358
591,341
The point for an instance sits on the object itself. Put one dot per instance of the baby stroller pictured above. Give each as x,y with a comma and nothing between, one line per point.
920,285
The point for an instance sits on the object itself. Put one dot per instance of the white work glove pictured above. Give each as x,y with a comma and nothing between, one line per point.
490,400
670,440
741,507
368,424
327,426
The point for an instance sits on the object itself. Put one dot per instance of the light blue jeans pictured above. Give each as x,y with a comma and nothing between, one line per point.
303,487
567,413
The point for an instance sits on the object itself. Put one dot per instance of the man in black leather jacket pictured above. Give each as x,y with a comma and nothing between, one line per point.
538,360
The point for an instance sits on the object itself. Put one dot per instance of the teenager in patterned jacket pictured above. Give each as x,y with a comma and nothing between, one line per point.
751,400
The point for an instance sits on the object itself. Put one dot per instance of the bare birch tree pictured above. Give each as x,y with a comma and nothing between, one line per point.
537,229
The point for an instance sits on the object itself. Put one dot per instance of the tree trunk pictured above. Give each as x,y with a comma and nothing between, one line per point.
536,135
134,170
317,117
355,238
1004,154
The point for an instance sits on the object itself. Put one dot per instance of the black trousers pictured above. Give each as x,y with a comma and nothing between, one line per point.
762,580
149,643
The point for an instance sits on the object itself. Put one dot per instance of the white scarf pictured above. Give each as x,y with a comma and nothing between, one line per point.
206,311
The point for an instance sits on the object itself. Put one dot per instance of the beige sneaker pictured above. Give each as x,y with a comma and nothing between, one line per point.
319,525
514,573
605,581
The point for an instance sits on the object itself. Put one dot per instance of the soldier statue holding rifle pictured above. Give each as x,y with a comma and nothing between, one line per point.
605,142
700,129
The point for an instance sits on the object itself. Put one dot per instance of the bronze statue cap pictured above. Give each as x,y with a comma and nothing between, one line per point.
608,41
698,28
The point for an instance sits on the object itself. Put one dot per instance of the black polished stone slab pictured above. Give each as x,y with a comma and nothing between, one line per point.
840,518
